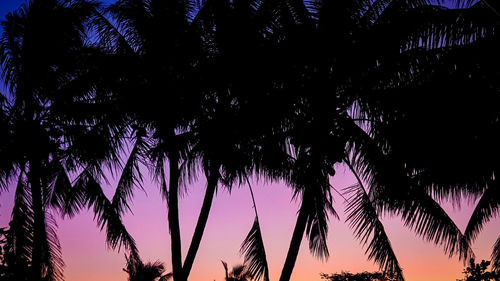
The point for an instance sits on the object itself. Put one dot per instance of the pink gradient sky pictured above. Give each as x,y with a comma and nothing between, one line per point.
87,257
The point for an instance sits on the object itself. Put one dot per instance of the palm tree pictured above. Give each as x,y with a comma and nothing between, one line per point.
223,156
307,66
339,65
33,149
238,273
41,50
139,271
152,50
463,129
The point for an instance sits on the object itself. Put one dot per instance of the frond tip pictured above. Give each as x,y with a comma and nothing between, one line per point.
255,254
105,214
364,221
495,256
486,209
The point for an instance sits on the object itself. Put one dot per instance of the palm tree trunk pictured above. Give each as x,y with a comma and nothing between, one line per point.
200,225
38,220
293,250
173,217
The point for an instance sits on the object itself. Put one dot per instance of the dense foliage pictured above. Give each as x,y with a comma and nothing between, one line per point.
402,92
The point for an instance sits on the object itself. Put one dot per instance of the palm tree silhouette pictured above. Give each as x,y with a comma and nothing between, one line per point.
238,273
32,147
339,66
224,157
139,271
152,49
41,145
347,64
283,89
462,129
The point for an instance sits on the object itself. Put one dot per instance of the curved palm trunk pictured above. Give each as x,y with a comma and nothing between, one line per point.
293,250
173,217
39,221
200,225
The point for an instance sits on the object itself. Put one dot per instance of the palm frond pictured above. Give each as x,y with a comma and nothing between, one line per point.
393,191
319,209
374,10
68,199
109,35
495,255
131,175
438,28
104,213
364,220
10,49
255,254
21,224
486,209
52,255
158,157
421,213
224,264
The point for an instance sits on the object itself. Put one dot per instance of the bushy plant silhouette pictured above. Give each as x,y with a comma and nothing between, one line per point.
479,272
151,271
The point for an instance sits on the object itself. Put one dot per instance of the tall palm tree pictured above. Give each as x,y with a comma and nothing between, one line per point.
463,129
339,65
152,50
33,149
41,49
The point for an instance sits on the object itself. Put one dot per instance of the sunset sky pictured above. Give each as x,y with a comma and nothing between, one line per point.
231,217
87,257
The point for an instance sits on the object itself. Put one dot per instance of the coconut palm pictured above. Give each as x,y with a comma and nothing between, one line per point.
33,148
152,50
238,273
224,150
37,145
342,58
139,271
463,130
305,68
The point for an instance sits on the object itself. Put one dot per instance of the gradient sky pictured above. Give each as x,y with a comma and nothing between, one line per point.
87,257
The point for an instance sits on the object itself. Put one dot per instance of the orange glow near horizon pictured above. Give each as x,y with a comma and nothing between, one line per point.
87,257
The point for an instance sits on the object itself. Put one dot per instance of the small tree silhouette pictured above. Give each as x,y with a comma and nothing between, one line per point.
139,271
478,272
239,273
